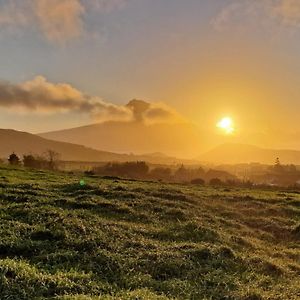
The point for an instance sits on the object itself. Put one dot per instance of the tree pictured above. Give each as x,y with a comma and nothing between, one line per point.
133,170
137,169
29,161
35,162
181,173
52,158
278,167
14,159
161,173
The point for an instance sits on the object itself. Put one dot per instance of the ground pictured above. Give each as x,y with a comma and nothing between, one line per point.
64,236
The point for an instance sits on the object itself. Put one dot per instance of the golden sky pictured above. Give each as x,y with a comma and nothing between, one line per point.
69,63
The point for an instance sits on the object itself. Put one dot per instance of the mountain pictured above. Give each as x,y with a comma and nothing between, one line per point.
181,140
152,129
241,153
24,143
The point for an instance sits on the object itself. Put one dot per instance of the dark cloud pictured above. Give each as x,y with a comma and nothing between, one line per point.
152,112
138,108
41,96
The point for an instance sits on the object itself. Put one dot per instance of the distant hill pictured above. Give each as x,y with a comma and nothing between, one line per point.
24,143
176,139
240,153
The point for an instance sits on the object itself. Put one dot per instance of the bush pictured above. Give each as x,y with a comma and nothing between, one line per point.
215,182
198,181
89,173
137,169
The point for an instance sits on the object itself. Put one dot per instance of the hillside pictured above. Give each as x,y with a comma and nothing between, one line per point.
240,153
24,143
180,140
108,239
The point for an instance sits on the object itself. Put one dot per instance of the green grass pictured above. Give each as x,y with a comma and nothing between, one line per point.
114,239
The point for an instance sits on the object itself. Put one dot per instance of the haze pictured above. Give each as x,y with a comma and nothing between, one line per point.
71,63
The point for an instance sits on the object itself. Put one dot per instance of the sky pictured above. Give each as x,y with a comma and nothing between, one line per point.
67,63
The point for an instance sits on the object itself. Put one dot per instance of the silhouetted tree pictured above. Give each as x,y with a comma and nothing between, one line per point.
35,162
52,158
278,167
14,159
137,169
29,161
161,173
182,174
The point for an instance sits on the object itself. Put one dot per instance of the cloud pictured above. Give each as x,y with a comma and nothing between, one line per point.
288,11
59,21
41,96
162,113
264,12
151,113
107,6
14,13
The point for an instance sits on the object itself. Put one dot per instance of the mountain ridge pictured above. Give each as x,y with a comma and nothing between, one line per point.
177,139
22,143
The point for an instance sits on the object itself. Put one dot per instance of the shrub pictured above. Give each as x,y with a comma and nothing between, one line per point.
215,182
89,173
198,181
137,169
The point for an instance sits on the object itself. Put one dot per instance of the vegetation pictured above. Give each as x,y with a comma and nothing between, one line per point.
137,169
199,181
140,170
14,160
48,161
64,236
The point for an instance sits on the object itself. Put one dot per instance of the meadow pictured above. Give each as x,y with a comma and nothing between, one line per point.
69,236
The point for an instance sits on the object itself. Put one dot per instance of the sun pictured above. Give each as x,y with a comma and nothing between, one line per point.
226,125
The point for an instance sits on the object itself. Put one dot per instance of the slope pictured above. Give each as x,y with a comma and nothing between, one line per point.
137,240
24,143
179,140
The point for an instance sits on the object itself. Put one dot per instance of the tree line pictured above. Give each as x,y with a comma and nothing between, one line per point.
49,160
140,170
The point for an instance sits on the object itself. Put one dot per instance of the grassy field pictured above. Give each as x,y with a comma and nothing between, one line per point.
114,239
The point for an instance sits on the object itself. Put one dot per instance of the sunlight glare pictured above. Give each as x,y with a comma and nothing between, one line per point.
226,125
